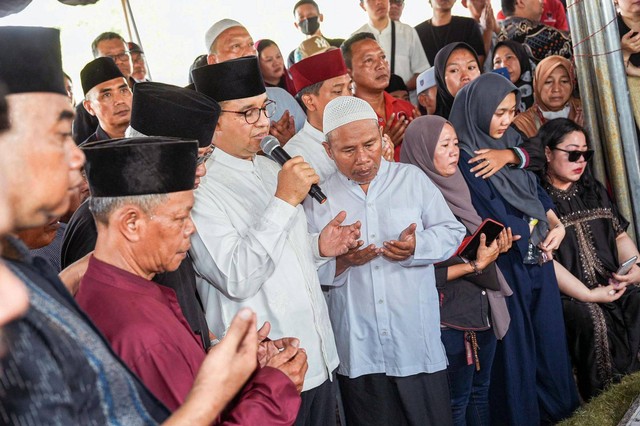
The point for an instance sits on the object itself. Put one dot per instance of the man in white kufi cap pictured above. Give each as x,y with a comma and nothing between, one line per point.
383,302
227,39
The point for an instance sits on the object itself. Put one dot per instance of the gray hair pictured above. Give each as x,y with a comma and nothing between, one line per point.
102,207
109,35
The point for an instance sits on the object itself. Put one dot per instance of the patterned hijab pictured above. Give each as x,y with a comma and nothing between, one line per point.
471,116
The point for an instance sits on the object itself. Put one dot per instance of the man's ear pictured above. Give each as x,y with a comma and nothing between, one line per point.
130,221
321,17
307,100
87,106
327,148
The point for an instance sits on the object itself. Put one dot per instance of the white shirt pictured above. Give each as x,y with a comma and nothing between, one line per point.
410,56
253,250
308,144
385,314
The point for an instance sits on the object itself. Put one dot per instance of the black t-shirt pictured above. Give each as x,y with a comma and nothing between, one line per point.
459,29
624,29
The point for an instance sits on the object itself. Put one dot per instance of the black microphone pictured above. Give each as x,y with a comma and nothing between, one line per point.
272,148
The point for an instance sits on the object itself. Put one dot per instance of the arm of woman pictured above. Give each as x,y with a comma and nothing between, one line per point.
571,286
555,235
485,256
626,250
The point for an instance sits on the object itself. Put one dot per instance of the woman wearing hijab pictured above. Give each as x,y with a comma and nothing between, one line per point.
456,65
468,291
553,87
514,57
532,381
603,332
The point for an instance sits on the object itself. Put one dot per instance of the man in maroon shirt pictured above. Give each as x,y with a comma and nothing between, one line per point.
144,225
369,69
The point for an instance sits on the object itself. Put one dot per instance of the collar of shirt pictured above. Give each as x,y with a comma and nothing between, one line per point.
119,278
376,32
315,134
233,162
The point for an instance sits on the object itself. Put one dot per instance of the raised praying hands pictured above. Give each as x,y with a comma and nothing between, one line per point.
402,248
337,239
283,129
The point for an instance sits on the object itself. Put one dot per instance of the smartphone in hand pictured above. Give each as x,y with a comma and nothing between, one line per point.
626,266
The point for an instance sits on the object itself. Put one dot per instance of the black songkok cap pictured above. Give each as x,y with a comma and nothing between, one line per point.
235,79
30,60
98,71
140,166
164,110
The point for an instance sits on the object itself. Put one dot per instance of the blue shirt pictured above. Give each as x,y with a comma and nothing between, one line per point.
385,313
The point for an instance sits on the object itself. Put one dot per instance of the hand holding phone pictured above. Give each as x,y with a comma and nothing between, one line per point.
626,266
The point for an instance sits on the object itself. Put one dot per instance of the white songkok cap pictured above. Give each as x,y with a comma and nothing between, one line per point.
217,29
344,110
426,80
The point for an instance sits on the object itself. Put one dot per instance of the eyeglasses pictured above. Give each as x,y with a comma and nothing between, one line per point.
574,156
121,57
203,158
252,115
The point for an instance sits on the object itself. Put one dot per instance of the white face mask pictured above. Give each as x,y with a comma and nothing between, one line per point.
563,113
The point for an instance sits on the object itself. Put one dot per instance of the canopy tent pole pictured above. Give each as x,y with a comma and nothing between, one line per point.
599,60
131,21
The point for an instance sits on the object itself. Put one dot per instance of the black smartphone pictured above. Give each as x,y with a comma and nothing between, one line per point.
490,228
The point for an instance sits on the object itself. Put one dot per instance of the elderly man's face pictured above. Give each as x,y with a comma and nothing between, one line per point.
369,65
110,101
165,238
117,50
232,43
42,161
356,149
237,137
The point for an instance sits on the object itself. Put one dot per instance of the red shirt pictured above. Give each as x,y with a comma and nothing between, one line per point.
144,324
553,14
400,108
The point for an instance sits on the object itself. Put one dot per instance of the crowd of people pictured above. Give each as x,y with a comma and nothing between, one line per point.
436,252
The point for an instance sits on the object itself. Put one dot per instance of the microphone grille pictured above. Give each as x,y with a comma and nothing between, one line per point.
268,144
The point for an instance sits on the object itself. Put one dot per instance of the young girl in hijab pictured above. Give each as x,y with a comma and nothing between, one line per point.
470,292
456,65
513,56
532,381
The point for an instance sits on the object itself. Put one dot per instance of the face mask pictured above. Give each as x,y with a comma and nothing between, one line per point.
309,26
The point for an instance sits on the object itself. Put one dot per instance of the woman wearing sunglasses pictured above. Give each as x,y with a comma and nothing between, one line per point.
603,335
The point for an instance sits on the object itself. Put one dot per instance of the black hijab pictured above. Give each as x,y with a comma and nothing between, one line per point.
525,81
471,116
445,99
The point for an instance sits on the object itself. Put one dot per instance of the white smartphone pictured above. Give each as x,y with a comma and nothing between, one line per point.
626,266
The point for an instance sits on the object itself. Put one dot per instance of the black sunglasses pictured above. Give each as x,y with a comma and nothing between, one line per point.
574,156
